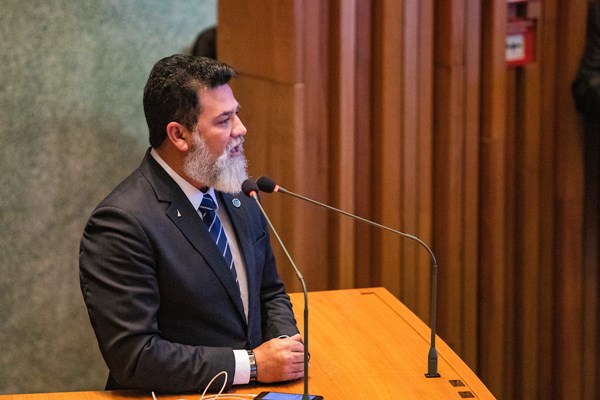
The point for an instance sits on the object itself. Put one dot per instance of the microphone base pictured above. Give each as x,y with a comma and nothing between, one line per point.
432,360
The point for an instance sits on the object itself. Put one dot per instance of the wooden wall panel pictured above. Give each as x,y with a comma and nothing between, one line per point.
269,144
273,93
456,156
270,48
312,146
406,113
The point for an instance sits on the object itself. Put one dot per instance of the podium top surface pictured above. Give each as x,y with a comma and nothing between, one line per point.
364,344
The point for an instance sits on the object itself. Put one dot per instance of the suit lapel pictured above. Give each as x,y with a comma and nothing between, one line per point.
187,220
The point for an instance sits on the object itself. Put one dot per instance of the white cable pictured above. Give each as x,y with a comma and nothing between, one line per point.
218,395
212,380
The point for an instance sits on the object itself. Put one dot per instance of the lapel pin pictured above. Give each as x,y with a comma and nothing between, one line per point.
178,213
236,202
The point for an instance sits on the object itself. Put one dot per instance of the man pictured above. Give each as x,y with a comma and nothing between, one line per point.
171,305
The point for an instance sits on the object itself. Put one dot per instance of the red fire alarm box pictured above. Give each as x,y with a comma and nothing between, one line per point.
520,42
520,35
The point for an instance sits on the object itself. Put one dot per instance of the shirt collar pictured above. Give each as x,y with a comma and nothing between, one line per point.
192,193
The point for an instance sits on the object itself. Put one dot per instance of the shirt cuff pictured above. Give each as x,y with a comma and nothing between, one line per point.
242,367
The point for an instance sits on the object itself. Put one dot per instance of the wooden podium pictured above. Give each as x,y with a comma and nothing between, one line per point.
364,344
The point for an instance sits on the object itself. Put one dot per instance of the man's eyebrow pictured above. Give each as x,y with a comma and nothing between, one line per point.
237,109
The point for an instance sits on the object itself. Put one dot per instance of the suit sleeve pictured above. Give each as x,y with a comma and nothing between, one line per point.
119,283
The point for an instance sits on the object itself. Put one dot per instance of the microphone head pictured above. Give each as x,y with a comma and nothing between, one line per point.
249,187
267,185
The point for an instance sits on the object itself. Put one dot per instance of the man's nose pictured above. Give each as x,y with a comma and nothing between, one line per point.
238,128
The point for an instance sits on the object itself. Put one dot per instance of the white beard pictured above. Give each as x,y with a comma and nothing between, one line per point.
220,172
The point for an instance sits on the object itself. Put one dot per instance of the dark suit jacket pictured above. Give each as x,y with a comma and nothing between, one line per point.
160,298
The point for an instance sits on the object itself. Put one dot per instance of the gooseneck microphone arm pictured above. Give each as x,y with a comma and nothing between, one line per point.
267,185
250,188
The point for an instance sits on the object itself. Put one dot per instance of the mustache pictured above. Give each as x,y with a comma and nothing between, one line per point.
239,141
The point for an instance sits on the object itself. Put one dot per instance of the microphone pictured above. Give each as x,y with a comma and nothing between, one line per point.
250,188
267,185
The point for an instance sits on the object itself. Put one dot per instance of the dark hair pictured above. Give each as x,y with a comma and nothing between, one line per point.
171,92
206,44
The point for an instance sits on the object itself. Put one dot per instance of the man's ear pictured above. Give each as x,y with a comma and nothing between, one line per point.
179,135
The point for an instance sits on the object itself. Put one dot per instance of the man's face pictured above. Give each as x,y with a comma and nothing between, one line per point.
216,156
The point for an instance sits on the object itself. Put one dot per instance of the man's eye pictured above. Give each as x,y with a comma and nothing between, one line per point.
223,121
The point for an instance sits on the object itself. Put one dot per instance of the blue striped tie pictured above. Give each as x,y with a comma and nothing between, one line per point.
209,216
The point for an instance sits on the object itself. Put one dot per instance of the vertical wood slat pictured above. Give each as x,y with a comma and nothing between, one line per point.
387,142
410,155
311,145
366,275
569,190
343,132
528,237
424,11
449,175
547,339
511,305
417,154
470,321
492,209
